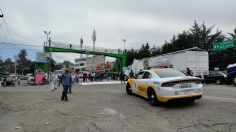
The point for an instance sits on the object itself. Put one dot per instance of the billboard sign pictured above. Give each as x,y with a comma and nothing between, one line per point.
223,45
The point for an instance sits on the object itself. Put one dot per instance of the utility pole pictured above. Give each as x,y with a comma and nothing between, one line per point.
104,64
94,39
48,40
81,46
15,69
124,40
50,58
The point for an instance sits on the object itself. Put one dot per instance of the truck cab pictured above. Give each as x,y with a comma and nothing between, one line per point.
231,74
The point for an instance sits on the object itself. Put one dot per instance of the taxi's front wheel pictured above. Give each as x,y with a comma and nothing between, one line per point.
152,98
128,89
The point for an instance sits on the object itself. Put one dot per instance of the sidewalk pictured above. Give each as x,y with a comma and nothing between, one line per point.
102,82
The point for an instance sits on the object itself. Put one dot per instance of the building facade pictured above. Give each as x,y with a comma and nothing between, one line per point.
89,63
80,63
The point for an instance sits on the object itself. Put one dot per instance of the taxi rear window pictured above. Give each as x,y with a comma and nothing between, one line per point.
169,73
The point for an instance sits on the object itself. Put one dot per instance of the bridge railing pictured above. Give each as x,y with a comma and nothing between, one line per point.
84,48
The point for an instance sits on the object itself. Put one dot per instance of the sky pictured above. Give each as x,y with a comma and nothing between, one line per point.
137,21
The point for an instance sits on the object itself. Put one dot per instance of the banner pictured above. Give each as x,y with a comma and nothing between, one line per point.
158,61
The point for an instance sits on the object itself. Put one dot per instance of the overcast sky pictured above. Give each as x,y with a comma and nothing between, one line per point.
138,21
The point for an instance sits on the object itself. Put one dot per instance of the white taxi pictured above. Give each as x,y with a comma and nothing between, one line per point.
165,85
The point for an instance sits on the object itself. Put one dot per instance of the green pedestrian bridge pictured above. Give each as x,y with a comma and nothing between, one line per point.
72,48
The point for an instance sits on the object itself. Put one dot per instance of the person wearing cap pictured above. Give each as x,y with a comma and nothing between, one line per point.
66,81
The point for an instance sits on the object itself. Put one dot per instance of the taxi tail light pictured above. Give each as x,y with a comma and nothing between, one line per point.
169,84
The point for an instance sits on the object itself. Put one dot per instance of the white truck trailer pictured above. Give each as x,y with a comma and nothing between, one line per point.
136,66
197,60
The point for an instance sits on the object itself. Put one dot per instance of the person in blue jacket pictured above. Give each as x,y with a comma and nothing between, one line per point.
66,81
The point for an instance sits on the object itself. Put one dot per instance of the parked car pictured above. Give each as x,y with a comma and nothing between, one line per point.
31,80
231,74
7,81
217,77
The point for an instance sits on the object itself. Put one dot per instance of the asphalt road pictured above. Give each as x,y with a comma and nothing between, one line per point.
107,108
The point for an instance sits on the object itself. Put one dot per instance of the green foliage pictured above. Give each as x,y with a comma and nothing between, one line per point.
116,66
199,35
55,66
8,65
233,35
24,65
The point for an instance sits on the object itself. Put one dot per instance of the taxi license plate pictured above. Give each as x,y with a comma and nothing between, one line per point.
185,86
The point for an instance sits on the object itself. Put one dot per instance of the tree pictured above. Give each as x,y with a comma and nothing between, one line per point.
202,36
22,60
55,66
199,35
1,62
130,57
233,35
144,51
30,67
155,51
9,65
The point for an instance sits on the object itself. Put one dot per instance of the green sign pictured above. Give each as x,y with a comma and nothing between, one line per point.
223,45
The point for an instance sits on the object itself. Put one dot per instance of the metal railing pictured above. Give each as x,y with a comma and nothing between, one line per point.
83,48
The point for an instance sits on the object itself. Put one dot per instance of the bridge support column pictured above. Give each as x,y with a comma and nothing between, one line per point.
122,62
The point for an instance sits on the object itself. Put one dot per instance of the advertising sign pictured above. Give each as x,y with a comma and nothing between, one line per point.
41,57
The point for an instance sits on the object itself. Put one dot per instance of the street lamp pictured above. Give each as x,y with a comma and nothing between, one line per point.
47,33
94,39
124,40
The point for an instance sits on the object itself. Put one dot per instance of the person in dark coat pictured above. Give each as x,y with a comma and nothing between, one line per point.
131,74
189,72
122,77
66,81
70,86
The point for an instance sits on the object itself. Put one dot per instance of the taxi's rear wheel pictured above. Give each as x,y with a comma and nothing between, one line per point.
128,89
152,98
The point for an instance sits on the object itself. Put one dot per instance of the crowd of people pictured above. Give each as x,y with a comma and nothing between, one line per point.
69,77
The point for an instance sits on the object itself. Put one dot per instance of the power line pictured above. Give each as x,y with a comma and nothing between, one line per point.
6,26
17,48
4,35
6,43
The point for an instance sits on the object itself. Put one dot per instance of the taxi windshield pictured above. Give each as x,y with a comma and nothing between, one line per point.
169,73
